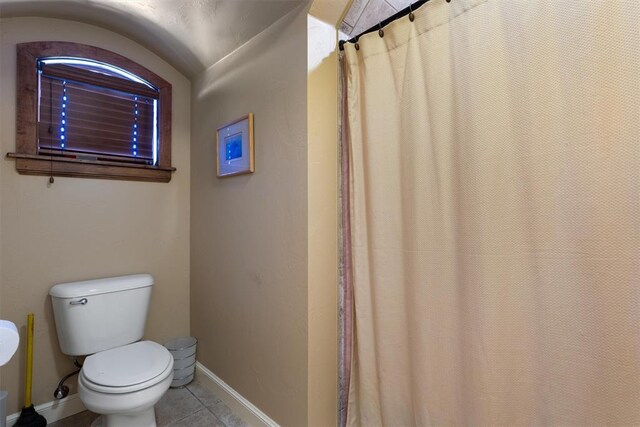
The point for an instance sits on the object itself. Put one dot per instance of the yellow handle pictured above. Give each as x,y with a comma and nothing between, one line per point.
27,389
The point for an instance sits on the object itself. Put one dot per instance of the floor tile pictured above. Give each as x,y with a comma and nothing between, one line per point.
83,419
190,406
215,405
203,394
202,418
232,420
178,403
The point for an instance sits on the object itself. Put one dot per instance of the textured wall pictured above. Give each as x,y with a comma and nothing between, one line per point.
322,116
86,228
249,232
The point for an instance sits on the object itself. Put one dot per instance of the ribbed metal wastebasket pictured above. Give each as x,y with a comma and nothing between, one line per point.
183,350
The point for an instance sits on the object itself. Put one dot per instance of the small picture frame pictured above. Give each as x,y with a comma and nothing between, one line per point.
234,147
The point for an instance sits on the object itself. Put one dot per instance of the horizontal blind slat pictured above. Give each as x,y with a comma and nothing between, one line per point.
68,72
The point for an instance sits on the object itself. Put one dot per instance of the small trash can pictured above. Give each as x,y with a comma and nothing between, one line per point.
3,408
183,350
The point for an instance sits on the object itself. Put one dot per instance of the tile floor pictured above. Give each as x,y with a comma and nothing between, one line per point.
190,406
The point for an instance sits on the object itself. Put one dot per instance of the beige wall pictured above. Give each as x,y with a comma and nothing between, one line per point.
263,247
322,88
249,233
84,228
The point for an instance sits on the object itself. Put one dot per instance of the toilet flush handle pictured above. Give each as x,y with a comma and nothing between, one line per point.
82,301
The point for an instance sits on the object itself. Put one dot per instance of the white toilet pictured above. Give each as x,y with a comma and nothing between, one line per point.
123,377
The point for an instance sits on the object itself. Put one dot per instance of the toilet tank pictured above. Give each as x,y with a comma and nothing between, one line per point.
96,315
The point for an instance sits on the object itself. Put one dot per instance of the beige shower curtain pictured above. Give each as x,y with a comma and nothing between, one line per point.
494,150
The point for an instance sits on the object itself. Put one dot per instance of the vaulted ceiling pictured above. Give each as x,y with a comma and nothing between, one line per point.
364,14
191,35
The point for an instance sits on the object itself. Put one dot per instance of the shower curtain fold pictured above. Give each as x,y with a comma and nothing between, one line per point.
494,191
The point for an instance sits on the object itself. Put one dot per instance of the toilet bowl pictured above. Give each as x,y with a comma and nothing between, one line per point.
122,378
123,384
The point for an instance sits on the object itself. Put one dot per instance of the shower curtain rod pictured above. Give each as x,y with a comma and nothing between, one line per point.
406,11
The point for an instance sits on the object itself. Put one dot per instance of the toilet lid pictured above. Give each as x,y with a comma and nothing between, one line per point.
128,365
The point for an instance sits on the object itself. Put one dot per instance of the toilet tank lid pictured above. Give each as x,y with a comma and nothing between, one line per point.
101,286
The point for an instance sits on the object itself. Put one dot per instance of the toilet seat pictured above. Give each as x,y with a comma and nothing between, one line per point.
127,369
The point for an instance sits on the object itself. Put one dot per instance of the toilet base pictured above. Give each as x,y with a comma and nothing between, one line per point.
130,409
141,419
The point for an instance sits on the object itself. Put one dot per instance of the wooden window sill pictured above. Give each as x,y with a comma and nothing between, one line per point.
33,164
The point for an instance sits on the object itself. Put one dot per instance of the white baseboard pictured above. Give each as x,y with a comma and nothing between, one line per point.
234,400
55,410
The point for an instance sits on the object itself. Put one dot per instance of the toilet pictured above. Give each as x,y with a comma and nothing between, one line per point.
122,378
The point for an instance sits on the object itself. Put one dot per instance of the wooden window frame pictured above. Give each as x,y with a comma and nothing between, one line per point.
29,162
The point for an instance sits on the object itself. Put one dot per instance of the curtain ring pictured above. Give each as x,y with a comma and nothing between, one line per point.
411,15
380,31
448,1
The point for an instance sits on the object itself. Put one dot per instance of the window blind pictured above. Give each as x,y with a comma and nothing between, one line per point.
83,112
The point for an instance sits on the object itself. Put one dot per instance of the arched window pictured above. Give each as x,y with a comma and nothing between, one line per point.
85,111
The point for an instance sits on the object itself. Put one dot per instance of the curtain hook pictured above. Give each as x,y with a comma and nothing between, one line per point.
411,15
356,44
380,31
